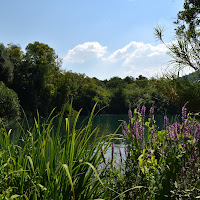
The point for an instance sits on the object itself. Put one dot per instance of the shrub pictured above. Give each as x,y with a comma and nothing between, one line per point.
9,103
161,164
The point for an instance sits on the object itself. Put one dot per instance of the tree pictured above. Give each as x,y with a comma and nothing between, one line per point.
9,103
37,78
6,66
185,51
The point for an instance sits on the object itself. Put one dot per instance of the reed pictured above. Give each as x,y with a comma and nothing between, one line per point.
42,163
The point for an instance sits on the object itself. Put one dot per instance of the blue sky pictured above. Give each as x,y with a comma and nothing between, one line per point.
102,38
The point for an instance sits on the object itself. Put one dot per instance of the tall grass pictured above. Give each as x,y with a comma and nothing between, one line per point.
42,163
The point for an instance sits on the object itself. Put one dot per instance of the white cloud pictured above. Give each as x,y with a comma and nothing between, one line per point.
83,52
138,53
133,59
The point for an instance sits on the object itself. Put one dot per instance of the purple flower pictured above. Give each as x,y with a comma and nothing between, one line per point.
152,110
125,130
136,129
197,132
130,115
184,112
152,134
141,132
138,109
175,129
143,112
150,154
124,133
165,122
182,171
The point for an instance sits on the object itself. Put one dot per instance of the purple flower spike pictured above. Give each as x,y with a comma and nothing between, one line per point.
138,109
197,132
152,110
153,135
125,131
165,122
141,132
136,129
130,114
143,112
184,112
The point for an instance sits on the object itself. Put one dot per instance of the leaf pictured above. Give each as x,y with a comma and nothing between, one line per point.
31,162
95,171
136,187
15,196
70,178
42,187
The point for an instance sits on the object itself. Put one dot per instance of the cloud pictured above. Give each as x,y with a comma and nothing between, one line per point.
87,51
134,59
139,54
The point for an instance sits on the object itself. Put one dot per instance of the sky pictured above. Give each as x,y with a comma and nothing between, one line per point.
101,38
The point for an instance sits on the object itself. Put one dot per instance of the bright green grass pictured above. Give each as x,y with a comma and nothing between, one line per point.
43,164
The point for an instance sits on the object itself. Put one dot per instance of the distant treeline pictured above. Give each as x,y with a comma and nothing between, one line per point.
33,80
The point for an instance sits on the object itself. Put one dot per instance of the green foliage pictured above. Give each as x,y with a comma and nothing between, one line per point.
41,85
9,103
180,92
6,66
185,52
43,163
159,165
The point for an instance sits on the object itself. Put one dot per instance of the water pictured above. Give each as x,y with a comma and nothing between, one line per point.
107,124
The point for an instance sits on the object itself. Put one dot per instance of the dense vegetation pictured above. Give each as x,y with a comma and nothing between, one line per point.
40,84
46,162
159,164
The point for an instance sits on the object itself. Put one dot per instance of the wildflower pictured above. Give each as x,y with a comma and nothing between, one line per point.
125,130
136,129
141,132
175,128
197,132
165,122
152,134
183,145
143,112
152,110
182,171
130,115
138,109
124,133
184,111
150,154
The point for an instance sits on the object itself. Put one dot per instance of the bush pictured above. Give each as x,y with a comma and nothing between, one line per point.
9,103
161,164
